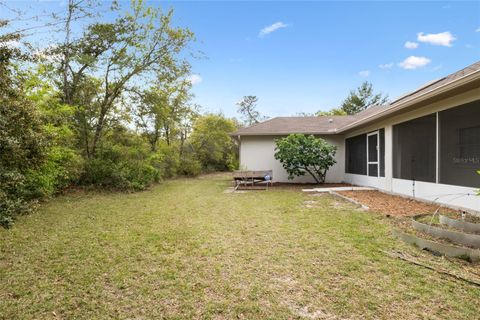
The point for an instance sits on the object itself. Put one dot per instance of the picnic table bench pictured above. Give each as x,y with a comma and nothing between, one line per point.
259,179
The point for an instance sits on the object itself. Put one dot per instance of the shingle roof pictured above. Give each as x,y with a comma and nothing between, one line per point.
437,83
468,77
333,124
306,125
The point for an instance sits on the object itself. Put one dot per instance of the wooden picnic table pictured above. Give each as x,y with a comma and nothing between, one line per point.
257,179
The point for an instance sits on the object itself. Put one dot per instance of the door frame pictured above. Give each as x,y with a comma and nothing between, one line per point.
377,133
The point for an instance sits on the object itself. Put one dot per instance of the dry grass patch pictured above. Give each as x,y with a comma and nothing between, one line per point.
186,250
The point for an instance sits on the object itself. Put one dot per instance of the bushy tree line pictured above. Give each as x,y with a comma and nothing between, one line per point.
107,106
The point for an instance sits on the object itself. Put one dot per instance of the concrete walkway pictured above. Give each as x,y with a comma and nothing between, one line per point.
338,189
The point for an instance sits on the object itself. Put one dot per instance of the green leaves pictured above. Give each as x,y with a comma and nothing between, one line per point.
212,143
362,98
23,143
247,108
478,190
300,154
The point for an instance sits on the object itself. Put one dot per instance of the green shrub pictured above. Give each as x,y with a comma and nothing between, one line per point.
189,165
232,161
22,149
12,201
62,168
213,146
478,192
170,159
120,167
300,154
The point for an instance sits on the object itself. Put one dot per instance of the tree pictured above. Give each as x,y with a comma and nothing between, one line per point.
332,112
362,98
300,154
22,140
247,108
163,108
109,59
211,141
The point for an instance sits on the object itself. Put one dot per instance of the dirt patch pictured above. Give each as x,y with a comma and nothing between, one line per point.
390,204
310,204
232,190
306,313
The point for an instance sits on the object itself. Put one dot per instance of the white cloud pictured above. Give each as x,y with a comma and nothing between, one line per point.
387,65
194,79
477,30
411,45
439,39
414,62
364,73
271,28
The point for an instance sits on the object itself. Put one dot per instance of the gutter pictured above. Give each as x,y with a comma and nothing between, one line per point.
326,133
407,102
411,101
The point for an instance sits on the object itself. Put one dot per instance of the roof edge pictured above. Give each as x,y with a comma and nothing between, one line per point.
475,75
397,106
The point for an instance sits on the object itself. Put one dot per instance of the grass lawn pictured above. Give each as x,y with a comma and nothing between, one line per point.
185,249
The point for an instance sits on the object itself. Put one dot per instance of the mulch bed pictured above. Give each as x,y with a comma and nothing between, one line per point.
391,205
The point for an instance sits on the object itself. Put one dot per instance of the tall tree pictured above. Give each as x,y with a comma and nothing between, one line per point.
111,58
163,107
247,108
362,98
211,141
22,140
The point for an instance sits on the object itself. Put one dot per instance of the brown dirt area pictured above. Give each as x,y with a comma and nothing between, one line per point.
391,205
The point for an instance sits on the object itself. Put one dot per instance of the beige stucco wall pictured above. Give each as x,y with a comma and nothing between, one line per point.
257,153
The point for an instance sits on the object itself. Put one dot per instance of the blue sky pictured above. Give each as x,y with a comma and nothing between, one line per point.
312,53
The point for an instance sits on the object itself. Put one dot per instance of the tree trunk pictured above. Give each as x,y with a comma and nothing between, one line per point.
167,134
98,130
66,91
313,175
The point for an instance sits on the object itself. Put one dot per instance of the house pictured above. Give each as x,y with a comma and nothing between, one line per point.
426,144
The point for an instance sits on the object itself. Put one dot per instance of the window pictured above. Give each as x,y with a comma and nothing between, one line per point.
414,149
356,154
460,145
365,154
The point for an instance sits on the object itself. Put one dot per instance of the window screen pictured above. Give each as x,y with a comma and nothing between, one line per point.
382,152
356,154
414,151
460,145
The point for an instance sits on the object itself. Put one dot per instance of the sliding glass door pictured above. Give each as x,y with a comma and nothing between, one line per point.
373,154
